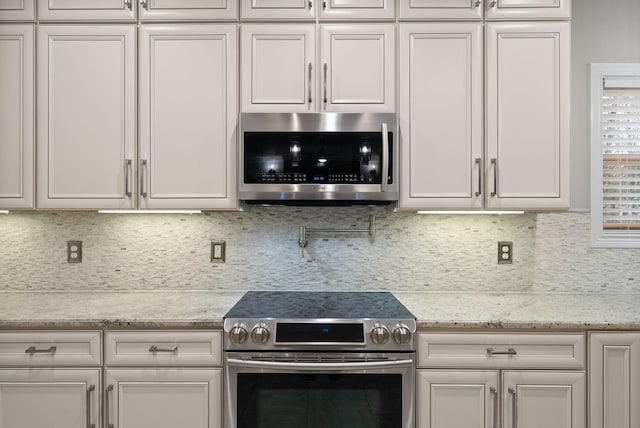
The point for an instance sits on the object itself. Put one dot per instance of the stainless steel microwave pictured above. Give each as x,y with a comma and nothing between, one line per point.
318,158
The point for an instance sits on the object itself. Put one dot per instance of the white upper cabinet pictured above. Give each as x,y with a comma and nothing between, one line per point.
358,9
358,67
326,9
86,116
17,114
188,10
278,9
187,116
278,68
441,9
279,71
17,10
83,10
441,115
528,9
528,115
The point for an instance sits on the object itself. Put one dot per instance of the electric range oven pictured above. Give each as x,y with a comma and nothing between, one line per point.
319,360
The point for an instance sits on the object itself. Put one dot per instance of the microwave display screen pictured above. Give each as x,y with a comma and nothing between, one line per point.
315,157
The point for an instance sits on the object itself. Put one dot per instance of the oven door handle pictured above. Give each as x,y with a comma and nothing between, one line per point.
319,366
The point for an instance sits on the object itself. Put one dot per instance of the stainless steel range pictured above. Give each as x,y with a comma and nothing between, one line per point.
319,359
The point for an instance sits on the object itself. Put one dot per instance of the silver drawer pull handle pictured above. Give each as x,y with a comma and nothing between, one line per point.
154,348
514,410
108,405
494,392
510,351
32,350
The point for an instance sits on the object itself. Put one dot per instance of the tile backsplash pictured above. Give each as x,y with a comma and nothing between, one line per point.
409,252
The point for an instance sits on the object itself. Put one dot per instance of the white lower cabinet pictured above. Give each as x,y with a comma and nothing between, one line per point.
163,379
164,397
614,380
477,390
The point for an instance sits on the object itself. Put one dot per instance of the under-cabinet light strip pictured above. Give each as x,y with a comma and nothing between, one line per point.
472,212
4,212
150,211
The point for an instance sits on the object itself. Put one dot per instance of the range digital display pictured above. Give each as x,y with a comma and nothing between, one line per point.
319,333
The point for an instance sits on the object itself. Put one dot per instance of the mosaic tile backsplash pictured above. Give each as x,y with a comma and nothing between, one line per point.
409,252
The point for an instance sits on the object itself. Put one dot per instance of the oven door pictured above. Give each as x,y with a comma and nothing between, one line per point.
303,390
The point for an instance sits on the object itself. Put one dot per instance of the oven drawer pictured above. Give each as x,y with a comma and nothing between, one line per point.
502,350
50,348
163,348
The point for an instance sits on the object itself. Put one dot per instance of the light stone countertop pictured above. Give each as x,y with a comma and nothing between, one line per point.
433,310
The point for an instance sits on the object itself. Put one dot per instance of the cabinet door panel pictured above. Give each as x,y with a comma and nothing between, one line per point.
529,9
278,9
614,380
544,399
165,398
441,115
86,116
189,10
362,82
57,398
358,9
441,9
17,10
449,399
17,113
188,115
528,115
94,10
277,68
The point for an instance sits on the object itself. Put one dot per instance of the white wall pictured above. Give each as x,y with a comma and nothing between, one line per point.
602,31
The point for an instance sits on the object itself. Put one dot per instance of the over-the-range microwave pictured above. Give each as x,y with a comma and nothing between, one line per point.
318,158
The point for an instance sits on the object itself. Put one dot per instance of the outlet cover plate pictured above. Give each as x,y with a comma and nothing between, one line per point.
218,251
505,252
74,251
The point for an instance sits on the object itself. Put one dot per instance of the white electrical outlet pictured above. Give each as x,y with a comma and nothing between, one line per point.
218,250
74,251
505,252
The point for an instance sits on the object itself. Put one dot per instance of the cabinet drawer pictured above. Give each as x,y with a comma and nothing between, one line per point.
501,350
163,348
50,348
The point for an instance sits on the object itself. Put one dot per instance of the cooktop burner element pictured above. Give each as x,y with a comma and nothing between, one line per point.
296,320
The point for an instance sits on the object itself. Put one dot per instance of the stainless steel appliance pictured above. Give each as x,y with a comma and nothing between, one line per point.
319,360
318,157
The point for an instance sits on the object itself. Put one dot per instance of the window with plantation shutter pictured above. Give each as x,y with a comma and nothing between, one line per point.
615,135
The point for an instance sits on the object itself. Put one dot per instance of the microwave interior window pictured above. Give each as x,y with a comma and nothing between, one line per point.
319,400
316,158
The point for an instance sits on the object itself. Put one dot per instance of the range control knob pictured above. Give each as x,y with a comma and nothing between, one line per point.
401,334
260,333
238,333
379,334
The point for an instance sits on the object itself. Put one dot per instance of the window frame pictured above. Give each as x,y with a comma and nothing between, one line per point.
601,237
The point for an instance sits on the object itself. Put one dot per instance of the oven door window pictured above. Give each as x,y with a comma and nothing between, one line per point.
318,400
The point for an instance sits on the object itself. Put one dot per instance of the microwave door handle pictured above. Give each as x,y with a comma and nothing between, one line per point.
319,366
385,158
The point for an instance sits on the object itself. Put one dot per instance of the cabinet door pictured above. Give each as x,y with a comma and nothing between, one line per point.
164,398
528,115
86,116
159,10
17,10
441,9
441,115
187,116
278,9
358,9
55,398
543,399
277,68
614,380
83,10
17,113
453,399
362,82
528,9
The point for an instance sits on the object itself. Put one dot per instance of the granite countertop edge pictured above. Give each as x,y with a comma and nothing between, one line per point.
205,309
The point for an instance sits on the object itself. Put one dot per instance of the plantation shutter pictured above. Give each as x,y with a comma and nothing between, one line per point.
621,153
